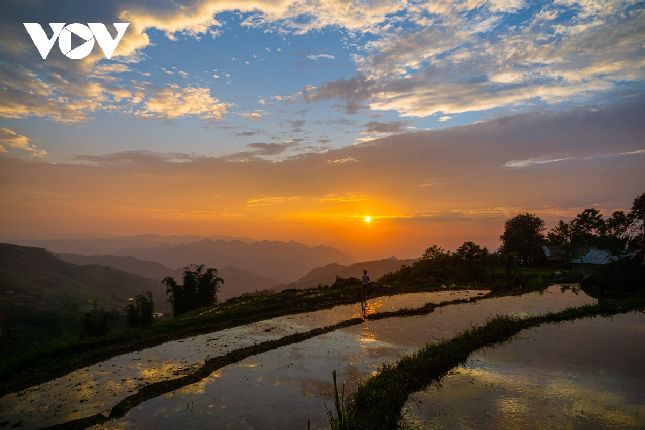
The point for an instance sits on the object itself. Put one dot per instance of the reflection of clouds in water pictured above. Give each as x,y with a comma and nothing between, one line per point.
197,388
493,393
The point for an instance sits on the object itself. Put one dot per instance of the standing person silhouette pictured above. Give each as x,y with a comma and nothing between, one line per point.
365,280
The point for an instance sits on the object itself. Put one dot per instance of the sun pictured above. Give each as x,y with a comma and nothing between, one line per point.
367,219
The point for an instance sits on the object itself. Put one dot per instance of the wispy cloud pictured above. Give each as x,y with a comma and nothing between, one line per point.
316,57
10,139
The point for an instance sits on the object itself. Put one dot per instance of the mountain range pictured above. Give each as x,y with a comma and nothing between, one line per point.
280,261
36,278
236,281
326,275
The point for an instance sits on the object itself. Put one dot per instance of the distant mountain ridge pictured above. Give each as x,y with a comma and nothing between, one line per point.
326,275
149,269
117,245
236,281
282,261
35,277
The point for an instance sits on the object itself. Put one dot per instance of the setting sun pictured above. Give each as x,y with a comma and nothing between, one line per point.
367,219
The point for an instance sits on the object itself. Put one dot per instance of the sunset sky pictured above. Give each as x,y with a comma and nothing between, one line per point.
296,120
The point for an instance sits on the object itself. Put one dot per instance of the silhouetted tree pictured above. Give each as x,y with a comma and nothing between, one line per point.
472,261
523,236
638,223
199,289
140,312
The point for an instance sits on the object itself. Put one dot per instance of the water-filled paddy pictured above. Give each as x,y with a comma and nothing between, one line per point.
288,386
583,374
99,387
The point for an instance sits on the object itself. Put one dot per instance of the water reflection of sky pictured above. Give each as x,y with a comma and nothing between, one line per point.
97,388
288,386
575,375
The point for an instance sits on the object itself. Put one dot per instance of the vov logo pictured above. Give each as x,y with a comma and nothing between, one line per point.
89,33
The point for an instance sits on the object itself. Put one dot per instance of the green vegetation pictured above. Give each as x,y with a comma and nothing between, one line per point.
470,264
523,237
199,289
617,233
140,312
377,402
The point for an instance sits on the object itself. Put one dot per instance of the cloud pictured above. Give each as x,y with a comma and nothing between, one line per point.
252,115
296,125
247,133
10,139
461,60
532,162
265,149
72,91
174,101
342,160
384,127
270,200
465,165
315,57
136,157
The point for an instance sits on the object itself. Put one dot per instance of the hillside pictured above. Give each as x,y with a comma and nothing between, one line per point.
326,275
36,278
236,281
148,269
283,261
239,281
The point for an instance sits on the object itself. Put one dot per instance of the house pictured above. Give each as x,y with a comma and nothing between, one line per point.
595,256
593,259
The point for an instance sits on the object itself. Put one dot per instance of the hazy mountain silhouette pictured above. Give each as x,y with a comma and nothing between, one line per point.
283,261
37,278
149,269
326,275
236,281
118,245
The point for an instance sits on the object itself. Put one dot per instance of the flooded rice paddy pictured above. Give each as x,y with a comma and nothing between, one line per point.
583,374
289,386
97,388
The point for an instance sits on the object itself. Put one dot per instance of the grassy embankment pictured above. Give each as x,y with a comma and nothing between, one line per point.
377,402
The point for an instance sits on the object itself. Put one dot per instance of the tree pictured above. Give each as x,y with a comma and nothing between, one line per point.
433,253
561,235
638,222
140,312
587,228
199,289
615,237
472,260
523,235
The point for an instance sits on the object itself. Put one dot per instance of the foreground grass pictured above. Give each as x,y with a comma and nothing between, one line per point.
36,366
377,403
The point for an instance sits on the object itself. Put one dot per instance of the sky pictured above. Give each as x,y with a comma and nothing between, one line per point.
295,120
